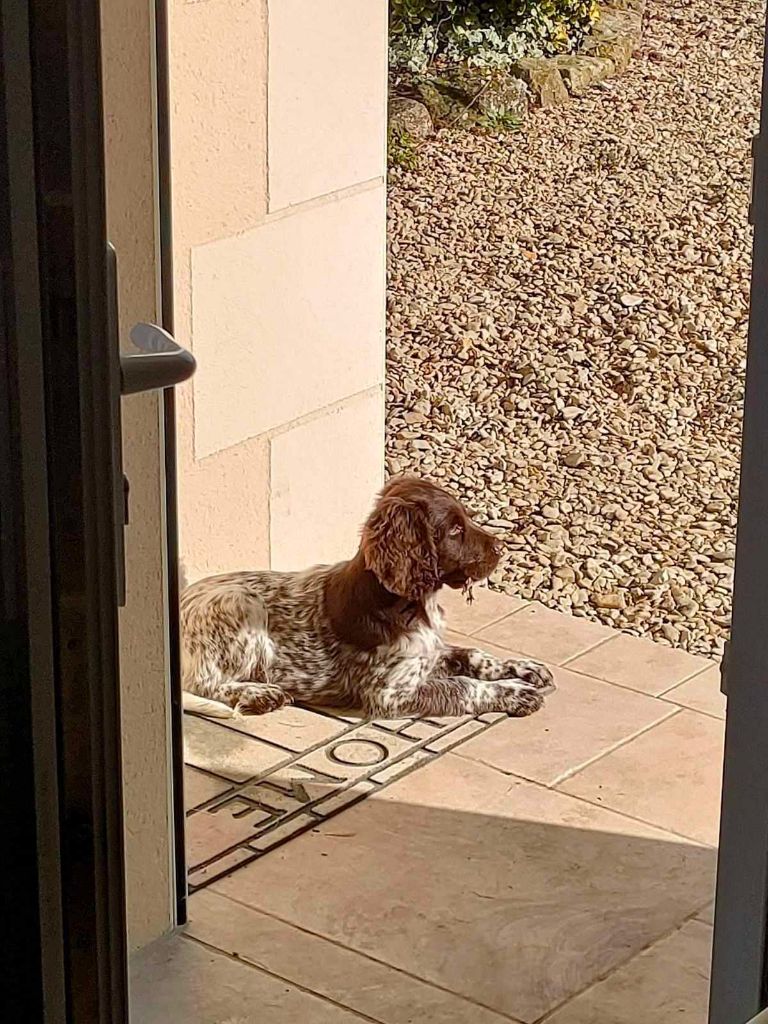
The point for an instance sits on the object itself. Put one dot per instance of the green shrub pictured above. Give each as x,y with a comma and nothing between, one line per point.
485,32
402,149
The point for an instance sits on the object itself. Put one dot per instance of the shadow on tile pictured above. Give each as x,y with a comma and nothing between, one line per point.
491,888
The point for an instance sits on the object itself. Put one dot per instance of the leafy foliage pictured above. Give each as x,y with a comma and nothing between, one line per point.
485,32
402,149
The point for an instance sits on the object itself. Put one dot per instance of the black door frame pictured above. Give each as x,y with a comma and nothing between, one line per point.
169,458
59,678
739,963
64,883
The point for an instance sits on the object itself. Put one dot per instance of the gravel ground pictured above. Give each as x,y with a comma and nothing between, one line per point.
567,327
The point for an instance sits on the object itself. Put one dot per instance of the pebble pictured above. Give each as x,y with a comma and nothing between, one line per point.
608,601
574,295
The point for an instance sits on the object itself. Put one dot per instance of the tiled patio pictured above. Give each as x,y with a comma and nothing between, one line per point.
557,868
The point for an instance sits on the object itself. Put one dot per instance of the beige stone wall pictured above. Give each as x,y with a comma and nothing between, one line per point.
278,140
130,178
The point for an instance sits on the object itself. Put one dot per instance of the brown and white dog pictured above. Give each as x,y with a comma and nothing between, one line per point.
366,633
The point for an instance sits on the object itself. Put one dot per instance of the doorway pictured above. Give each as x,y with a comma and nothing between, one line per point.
413,783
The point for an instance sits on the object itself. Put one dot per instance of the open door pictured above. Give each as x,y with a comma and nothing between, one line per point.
60,565
739,963
66,359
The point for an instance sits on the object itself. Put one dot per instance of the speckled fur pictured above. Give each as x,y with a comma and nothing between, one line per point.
258,640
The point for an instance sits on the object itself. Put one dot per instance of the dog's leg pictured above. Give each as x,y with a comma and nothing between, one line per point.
475,664
416,688
198,705
252,698
232,697
227,654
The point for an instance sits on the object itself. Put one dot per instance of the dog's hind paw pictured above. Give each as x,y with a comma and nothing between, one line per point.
261,698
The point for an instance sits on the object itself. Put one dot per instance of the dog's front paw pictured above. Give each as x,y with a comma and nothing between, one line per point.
522,700
531,672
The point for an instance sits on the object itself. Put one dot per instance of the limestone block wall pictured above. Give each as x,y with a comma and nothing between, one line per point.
278,151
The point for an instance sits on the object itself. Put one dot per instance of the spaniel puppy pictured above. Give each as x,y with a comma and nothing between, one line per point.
364,633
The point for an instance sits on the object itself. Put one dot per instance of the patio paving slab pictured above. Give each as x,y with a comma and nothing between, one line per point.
290,727
227,752
668,982
178,980
365,985
584,719
670,777
638,663
541,633
199,787
498,890
486,607
702,693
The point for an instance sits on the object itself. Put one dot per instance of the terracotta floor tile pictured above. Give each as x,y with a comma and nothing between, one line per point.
226,752
290,727
669,776
707,915
209,833
199,787
464,640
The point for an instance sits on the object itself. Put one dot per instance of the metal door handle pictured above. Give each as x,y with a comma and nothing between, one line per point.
159,363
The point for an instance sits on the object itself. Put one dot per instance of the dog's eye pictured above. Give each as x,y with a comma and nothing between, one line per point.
456,531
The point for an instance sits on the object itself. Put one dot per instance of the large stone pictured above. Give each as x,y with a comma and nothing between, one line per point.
580,71
626,5
616,33
408,116
543,79
473,94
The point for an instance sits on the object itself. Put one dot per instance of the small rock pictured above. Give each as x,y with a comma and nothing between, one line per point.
573,459
670,632
608,600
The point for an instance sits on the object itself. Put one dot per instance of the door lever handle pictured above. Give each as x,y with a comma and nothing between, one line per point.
159,363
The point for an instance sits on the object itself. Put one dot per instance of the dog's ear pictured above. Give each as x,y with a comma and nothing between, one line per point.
399,548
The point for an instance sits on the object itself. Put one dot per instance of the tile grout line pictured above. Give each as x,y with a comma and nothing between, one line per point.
600,643
624,686
641,821
568,666
254,966
364,956
695,711
688,679
491,622
237,786
685,679
570,772
590,803
548,1016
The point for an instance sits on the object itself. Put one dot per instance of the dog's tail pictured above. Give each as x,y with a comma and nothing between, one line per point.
203,706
